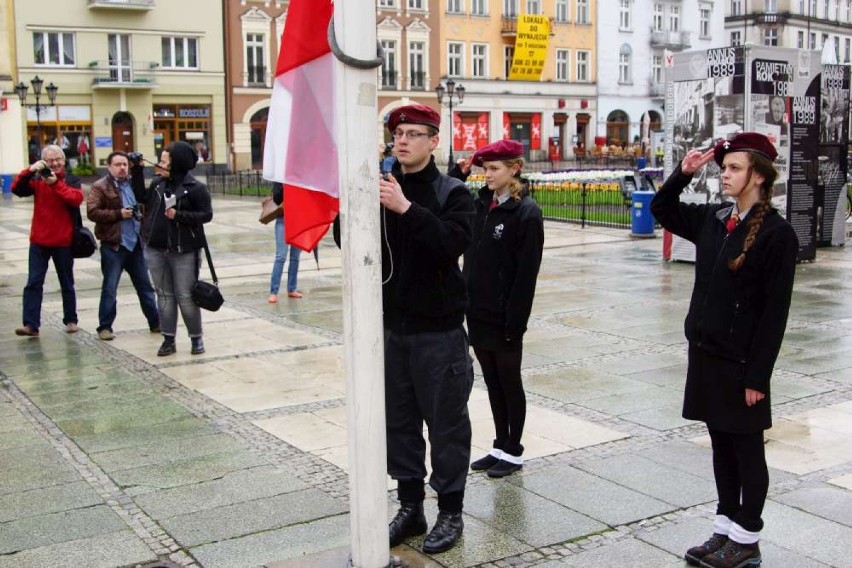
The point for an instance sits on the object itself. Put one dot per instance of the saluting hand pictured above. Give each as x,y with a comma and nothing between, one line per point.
694,160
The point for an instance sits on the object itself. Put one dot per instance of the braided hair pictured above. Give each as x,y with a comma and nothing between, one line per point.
515,185
763,166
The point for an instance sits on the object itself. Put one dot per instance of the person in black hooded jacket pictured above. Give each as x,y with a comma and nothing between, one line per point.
176,207
500,269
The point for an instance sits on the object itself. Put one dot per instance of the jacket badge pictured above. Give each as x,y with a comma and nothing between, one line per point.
498,232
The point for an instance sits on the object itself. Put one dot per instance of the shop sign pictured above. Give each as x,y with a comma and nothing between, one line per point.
48,114
194,112
103,141
75,113
163,112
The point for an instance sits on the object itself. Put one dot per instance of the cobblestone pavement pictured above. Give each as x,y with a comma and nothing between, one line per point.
114,457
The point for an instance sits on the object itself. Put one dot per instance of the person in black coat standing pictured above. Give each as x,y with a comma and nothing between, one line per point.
744,269
500,268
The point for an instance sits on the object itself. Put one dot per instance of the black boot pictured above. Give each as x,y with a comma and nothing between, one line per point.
168,346
696,553
409,521
197,346
446,532
484,463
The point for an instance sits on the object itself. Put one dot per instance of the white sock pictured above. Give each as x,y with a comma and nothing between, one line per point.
517,460
742,536
496,453
722,525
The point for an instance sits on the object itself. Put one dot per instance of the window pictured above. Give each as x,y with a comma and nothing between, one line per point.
836,48
479,60
824,41
479,7
180,52
657,69
704,21
563,57
813,40
455,59
582,11
846,50
533,6
454,6
800,40
256,74
736,38
583,66
770,36
562,10
120,68
825,9
770,6
416,64
736,7
674,18
389,64
624,57
387,3
415,4
658,17
508,55
510,8
624,15
53,48
847,11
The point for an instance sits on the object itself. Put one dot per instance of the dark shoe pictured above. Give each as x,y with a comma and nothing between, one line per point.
168,347
445,534
155,329
26,331
733,555
484,463
695,554
197,346
503,468
409,521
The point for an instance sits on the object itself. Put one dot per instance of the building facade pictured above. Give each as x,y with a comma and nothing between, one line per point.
804,24
633,39
11,136
131,75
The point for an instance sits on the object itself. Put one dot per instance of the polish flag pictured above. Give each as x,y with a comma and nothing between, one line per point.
301,148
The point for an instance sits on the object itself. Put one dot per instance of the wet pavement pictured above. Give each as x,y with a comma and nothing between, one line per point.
112,456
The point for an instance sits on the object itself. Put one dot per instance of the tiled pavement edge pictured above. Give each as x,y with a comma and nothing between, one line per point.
113,457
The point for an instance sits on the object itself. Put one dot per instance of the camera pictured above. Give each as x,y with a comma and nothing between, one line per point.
136,213
135,157
45,172
170,199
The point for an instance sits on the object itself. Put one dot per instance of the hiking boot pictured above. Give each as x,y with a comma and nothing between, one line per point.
484,463
197,346
445,534
26,331
409,521
733,555
503,468
694,555
106,335
168,347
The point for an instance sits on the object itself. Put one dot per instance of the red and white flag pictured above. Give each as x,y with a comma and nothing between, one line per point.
301,147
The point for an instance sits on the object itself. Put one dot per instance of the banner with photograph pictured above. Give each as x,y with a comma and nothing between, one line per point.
833,160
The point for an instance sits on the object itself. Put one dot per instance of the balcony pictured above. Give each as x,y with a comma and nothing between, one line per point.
771,19
123,4
417,81
509,26
255,76
139,75
671,40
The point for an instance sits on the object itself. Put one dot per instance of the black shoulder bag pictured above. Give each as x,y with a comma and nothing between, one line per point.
206,295
83,243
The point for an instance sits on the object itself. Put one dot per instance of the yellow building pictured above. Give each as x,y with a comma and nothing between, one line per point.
11,140
131,75
471,43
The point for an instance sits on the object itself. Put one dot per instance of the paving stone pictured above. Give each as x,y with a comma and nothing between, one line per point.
36,532
54,499
240,519
24,436
191,471
827,502
124,419
143,435
626,552
31,467
237,487
166,450
103,551
807,534
593,496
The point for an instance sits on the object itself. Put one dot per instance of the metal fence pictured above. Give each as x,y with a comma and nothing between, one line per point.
249,182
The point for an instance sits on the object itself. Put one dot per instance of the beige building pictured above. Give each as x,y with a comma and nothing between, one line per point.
11,138
472,43
131,75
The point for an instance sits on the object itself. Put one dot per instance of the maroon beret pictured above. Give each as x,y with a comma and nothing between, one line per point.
414,114
498,151
745,142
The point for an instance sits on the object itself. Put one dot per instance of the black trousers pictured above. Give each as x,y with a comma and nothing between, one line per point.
742,478
502,373
428,377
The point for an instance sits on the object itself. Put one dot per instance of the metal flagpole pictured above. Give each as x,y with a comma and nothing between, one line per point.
355,25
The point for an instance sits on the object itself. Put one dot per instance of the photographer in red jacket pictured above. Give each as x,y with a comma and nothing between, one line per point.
55,194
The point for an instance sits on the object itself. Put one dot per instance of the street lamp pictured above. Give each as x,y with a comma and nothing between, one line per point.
452,91
37,84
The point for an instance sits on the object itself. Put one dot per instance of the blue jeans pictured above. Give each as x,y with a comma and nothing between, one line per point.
174,275
280,258
112,264
63,262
